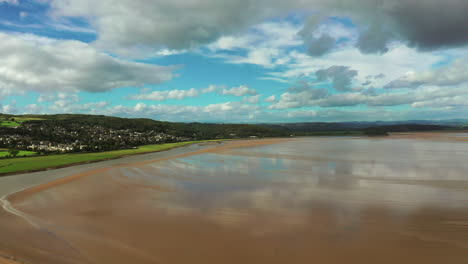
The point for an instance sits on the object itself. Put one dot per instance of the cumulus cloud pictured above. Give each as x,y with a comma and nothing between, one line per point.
265,44
340,76
399,60
46,98
66,106
47,65
10,108
211,88
239,91
23,14
34,108
426,24
222,112
182,94
242,113
270,99
298,95
444,102
321,45
418,98
375,39
321,35
451,74
165,95
59,97
176,24
253,99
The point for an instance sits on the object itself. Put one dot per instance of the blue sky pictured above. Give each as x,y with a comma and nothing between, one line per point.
246,61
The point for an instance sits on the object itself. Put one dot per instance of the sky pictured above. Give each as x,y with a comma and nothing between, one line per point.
243,61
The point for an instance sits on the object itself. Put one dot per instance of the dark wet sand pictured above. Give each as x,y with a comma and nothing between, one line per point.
323,200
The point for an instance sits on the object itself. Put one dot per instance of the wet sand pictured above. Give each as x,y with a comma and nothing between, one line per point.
311,200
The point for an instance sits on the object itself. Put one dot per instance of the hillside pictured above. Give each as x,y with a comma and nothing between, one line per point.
85,133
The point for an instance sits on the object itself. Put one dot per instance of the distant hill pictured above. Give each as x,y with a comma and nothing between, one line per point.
384,130
210,131
189,130
346,126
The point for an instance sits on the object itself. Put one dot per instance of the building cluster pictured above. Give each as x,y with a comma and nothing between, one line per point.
79,138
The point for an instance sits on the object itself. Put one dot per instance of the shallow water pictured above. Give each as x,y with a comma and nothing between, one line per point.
316,200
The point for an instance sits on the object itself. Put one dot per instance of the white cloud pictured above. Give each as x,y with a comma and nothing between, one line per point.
451,74
182,94
47,65
253,99
265,44
10,108
238,112
239,91
274,79
395,63
271,99
23,14
43,98
165,95
211,88
418,98
33,108
60,26
280,53
168,24
223,112
66,106
444,102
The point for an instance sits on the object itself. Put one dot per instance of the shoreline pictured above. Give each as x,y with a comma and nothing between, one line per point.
44,183
63,180
396,135
201,143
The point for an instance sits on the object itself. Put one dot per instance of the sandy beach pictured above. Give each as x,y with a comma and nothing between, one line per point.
324,200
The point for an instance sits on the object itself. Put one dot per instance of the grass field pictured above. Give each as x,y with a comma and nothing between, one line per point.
4,153
25,118
43,162
17,122
9,123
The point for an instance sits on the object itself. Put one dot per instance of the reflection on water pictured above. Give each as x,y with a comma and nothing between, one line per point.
401,174
324,200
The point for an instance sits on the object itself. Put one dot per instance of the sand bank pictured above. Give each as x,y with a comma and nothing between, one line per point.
254,202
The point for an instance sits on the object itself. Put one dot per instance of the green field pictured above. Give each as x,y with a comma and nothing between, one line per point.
9,123
42,162
4,153
17,121
25,118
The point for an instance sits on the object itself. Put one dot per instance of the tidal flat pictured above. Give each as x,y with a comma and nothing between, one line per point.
397,199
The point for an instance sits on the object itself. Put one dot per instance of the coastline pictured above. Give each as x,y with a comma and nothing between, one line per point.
97,157
163,147
203,149
32,180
